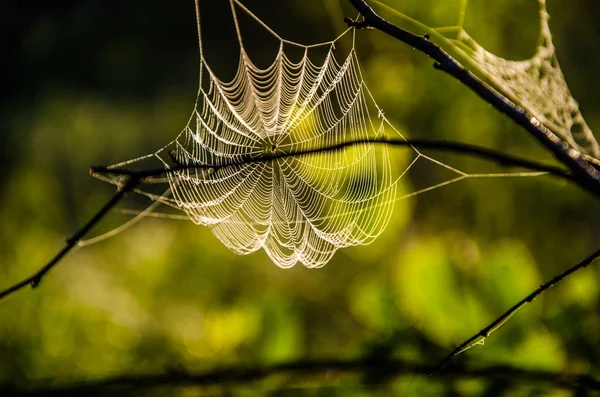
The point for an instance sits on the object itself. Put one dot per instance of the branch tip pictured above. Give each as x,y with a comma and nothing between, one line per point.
479,338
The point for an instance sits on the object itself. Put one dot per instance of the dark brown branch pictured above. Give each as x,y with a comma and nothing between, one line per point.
356,24
484,333
135,177
72,241
464,149
584,174
381,370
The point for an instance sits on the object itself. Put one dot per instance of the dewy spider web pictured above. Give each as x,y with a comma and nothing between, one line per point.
536,84
298,208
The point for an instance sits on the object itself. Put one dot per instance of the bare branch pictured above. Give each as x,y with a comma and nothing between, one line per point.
135,177
72,241
585,174
465,149
378,370
480,337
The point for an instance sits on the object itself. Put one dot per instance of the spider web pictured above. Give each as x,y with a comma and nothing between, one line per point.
297,208
537,84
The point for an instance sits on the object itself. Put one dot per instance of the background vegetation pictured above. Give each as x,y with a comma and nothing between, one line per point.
87,82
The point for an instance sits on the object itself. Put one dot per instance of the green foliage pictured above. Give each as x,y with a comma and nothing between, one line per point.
166,294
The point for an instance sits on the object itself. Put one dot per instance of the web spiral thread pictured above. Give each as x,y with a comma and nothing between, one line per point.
296,208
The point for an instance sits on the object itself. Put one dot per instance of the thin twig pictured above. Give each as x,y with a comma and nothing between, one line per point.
496,156
135,177
72,241
381,370
480,337
356,24
585,175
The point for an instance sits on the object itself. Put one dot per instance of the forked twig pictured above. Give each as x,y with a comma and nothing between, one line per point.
134,177
479,338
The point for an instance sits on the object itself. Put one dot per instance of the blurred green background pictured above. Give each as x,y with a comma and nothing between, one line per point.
87,83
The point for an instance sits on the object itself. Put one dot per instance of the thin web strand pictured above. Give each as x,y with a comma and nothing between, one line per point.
298,209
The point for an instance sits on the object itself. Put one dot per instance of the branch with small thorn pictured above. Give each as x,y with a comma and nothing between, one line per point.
357,24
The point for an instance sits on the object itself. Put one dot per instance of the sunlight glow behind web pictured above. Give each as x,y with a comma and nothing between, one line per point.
297,208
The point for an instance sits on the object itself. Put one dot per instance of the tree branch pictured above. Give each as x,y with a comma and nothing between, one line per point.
72,241
135,177
465,149
479,338
584,174
581,172
380,370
